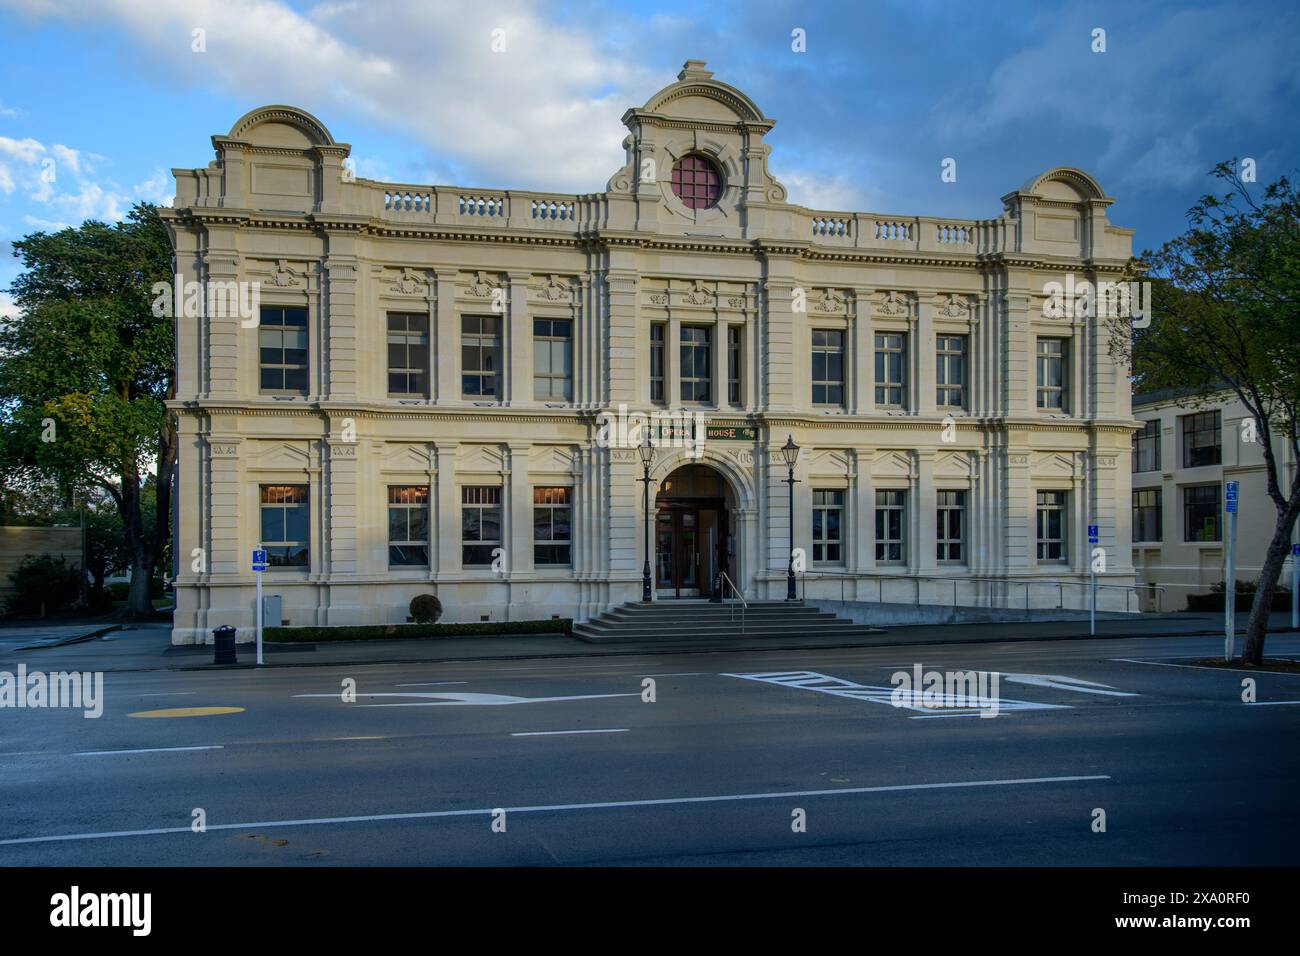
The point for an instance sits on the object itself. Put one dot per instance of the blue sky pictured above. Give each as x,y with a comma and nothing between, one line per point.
111,95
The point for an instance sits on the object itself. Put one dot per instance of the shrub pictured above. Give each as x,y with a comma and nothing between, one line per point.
43,580
1242,600
118,590
426,608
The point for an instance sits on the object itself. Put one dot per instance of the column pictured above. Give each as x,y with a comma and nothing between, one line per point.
923,350
859,360
923,558
719,357
862,513
518,342
1018,368
621,345
445,512
672,362
339,318
445,370
1018,507
520,527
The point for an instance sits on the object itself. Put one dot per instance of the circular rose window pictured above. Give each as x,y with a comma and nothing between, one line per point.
697,182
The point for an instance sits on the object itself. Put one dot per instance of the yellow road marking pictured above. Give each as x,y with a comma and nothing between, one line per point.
187,712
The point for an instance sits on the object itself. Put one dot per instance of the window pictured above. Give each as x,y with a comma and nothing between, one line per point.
891,508
891,360
1051,373
553,359
552,511
1147,515
950,371
733,364
827,367
286,521
1146,447
408,354
657,362
1201,444
480,524
828,526
697,370
1051,526
1201,519
951,527
696,182
408,526
282,350
480,356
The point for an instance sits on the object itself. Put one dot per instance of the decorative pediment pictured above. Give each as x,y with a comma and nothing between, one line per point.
551,458
1053,465
406,458
892,464
282,456
481,458
957,464
829,462
895,304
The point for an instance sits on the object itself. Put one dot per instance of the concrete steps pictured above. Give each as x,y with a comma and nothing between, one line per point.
684,622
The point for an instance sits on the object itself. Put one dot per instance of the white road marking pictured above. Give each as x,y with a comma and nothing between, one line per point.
150,750
1065,683
1202,667
433,683
1271,703
453,699
877,694
558,807
171,693
560,733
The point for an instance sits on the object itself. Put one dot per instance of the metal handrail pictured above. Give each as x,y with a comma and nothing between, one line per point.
744,605
958,579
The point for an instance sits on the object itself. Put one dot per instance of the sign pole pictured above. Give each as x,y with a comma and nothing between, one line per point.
1093,538
259,565
1295,587
1230,573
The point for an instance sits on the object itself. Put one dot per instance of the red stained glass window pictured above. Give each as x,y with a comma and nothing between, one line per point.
697,182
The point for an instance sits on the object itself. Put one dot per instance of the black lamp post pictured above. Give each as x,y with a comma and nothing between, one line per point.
647,453
790,452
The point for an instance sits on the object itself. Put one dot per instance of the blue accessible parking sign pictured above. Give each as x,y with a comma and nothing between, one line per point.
1232,497
1093,536
259,560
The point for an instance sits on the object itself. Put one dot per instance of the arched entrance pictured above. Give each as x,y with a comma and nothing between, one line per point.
694,533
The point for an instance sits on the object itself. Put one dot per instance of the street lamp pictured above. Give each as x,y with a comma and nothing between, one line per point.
790,452
647,453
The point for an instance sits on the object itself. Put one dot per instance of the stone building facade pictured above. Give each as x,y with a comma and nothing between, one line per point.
422,400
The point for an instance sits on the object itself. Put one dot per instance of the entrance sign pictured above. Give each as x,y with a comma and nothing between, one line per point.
730,433
687,431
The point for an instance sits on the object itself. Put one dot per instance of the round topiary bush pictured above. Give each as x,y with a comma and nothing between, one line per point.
426,608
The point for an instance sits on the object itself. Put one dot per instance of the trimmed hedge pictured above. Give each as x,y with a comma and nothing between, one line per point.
1243,600
373,632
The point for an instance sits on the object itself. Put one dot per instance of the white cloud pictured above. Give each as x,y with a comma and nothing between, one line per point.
424,68
8,307
9,112
817,191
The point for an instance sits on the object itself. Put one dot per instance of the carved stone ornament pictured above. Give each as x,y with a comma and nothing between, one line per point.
893,304
699,295
955,307
556,290
285,276
831,301
409,282
482,286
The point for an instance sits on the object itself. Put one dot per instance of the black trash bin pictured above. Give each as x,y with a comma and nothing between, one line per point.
224,645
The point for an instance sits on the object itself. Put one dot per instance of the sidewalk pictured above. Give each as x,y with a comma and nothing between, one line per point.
148,647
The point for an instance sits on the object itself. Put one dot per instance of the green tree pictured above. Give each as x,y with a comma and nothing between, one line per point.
85,371
1226,316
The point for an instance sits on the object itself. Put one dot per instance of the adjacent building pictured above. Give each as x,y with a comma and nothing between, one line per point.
1183,455
442,388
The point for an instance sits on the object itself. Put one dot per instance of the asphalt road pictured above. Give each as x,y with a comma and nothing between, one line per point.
713,772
